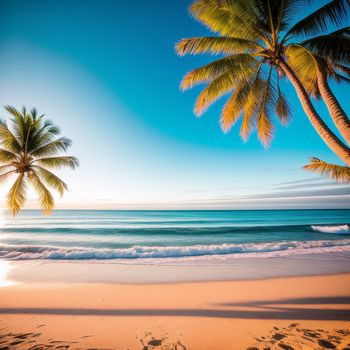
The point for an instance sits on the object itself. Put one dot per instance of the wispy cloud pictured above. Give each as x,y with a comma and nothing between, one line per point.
323,198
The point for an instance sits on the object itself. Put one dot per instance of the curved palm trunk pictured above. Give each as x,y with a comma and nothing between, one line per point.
337,113
332,141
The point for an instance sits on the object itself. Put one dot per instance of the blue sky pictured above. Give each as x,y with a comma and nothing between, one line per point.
106,72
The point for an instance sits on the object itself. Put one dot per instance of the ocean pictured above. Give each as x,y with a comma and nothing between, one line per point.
156,236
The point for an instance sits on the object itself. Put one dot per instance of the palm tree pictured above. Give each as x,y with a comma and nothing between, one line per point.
328,53
27,149
337,113
258,45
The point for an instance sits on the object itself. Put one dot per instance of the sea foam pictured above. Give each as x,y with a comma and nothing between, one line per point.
332,229
265,249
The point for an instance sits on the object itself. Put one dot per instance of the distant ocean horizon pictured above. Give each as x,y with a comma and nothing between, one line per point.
156,236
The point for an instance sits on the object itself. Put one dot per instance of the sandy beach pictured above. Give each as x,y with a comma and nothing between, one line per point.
175,175
307,312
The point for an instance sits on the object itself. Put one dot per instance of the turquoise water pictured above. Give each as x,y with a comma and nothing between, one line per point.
89,234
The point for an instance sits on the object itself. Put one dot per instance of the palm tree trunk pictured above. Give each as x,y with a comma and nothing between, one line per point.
337,113
331,140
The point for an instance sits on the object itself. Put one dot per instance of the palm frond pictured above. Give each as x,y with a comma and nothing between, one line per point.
339,78
331,14
58,162
45,197
20,123
215,46
235,18
213,91
233,108
5,171
342,68
50,179
44,134
283,12
283,108
17,195
334,46
305,66
265,128
8,140
260,103
52,148
241,65
252,107
336,172
14,112
6,156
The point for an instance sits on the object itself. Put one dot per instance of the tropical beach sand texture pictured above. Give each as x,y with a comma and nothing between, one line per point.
310,312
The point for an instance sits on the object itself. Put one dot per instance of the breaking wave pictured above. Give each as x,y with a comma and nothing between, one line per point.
332,229
265,249
168,229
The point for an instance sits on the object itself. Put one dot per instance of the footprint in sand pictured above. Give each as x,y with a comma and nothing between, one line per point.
293,338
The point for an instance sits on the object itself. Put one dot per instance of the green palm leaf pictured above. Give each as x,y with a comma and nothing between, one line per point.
58,162
6,156
17,195
52,148
8,140
51,179
45,197
45,134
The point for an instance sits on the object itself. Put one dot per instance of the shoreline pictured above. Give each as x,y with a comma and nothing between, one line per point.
144,272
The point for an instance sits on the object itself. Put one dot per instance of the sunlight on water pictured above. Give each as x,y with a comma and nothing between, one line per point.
5,267
2,223
2,218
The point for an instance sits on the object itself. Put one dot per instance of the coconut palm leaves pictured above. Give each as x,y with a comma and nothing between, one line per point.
259,43
27,148
334,171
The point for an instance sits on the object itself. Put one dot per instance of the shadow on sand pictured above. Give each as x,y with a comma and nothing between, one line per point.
340,300
271,310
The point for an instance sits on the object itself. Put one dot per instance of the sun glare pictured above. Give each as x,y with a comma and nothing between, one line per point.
4,270
4,265
2,217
